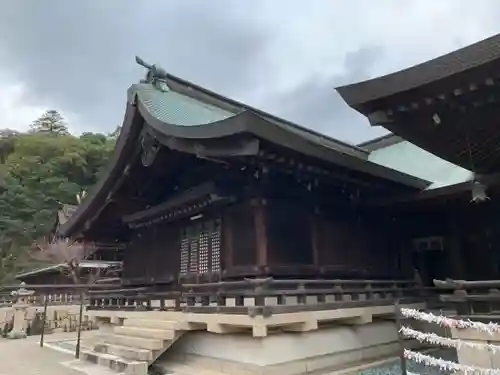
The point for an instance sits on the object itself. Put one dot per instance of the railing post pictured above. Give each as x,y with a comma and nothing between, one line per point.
79,328
44,319
399,325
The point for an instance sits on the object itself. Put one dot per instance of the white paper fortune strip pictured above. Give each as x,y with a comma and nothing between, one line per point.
432,338
449,322
448,365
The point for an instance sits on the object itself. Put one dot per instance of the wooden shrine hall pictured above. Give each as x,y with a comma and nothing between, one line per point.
205,189
232,219
229,193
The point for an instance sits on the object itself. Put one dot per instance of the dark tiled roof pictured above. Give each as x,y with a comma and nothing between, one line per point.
458,61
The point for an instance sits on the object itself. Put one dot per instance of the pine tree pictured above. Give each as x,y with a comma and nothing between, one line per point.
50,122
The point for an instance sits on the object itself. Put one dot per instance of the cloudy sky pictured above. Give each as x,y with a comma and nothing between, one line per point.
282,56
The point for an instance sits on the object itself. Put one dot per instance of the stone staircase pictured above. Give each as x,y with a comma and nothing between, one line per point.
135,345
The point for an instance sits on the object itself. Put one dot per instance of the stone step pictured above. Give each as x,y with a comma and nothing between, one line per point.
177,368
115,363
136,342
151,323
161,334
127,352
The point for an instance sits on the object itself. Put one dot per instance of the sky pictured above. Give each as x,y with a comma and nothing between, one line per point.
282,56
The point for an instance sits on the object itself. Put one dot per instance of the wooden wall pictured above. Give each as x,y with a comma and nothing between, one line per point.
288,233
153,255
260,237
239,240
361,245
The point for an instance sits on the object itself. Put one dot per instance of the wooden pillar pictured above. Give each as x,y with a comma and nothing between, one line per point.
260,231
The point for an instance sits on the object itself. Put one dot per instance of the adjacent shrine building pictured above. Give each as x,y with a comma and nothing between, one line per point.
104,260
444,116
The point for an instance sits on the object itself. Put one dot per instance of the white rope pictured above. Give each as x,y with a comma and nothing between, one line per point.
432,338
449,322
448,365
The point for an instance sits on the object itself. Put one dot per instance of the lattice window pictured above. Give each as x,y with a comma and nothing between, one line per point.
203,265
184,254
200,248
193,255
215,247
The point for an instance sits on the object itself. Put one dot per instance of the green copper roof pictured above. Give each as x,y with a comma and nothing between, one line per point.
177,109
408,158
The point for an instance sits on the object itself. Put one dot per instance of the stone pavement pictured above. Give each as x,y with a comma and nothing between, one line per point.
25,357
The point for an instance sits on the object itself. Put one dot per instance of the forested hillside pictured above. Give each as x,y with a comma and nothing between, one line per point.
40,170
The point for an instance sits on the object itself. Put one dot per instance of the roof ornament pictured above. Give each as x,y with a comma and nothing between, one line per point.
478,189
478,192
150,147
156,75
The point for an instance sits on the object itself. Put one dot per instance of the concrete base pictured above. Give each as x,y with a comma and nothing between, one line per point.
321,351
474,357
16,335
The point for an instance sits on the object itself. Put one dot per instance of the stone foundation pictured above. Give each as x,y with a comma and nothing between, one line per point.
474,357
321,351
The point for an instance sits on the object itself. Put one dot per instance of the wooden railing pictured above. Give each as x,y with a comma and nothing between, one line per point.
57,294
471,298
260,296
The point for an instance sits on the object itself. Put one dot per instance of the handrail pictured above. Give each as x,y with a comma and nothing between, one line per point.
57,286
470,297
466,284
250,296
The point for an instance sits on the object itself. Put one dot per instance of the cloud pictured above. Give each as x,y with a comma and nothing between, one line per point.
285,57
16,114
314,102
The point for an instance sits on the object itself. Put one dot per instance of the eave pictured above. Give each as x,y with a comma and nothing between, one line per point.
448,65
250,123
447,106
183,205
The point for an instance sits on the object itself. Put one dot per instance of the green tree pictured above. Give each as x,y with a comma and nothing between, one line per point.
40,171
7,143
50,122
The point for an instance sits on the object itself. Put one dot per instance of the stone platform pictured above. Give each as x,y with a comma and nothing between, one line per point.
318,341
26,357
330,348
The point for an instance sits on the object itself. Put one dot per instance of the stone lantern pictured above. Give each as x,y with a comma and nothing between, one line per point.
20,306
